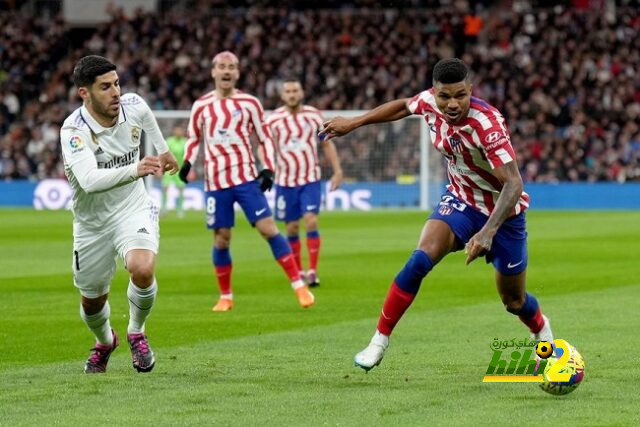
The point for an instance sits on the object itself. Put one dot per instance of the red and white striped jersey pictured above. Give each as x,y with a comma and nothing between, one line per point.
225,126
296,137
473,148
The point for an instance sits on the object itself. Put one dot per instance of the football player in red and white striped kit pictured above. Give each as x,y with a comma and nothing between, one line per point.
224,120
298,191
481,211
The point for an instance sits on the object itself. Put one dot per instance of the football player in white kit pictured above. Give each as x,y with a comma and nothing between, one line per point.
113,213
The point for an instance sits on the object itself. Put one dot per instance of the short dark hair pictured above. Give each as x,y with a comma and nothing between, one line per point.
89,67
292,79
451,70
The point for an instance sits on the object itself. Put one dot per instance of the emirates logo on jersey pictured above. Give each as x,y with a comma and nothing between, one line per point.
493,137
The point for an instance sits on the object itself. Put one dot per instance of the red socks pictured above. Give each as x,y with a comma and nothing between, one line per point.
224,278
535,323
313,247
288,264
295,248
395,305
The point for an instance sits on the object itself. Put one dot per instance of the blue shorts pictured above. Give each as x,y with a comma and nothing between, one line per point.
219,205
508,252
293,202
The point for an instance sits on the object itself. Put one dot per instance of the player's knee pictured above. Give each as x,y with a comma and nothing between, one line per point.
142,273
222,243
267,228
92,306
269,233
222,238
435,250
311,222
293,228
513,304
416,268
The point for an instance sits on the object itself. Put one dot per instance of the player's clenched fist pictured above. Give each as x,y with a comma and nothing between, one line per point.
337,126
265,179
168,163
150,165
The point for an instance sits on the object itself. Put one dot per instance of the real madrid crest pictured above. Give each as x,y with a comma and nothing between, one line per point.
135,136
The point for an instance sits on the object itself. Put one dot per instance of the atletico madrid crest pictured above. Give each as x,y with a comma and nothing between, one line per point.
456,144
445,210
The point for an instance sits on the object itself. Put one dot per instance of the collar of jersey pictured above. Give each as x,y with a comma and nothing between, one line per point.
94,125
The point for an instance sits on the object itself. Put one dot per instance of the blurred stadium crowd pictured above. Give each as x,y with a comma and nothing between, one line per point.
566,77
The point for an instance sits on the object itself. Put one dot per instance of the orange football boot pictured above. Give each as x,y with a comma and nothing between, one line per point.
305,297
224,304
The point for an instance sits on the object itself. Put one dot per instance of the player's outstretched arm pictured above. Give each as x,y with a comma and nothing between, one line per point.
390,111
509,175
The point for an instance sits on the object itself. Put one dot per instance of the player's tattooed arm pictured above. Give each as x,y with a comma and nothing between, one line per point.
509,175
512,186
387,112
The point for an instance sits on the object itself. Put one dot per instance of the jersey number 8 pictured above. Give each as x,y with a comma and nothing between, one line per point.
211,205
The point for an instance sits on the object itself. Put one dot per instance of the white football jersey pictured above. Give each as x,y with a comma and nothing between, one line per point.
101,163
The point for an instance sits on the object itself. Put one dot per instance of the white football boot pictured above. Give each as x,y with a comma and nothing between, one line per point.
371,356
545,333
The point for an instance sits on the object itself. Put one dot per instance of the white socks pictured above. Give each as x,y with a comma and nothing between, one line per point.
297,284
99,324
140,303
380,339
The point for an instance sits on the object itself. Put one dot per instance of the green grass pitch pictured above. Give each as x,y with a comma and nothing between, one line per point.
270,362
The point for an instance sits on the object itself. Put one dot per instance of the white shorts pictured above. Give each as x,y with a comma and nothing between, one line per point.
95,251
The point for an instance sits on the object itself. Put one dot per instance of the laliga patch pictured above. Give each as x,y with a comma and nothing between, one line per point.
445,210
76,143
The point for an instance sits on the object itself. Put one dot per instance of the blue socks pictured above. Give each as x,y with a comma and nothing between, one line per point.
279,246
529,308
410,277
293,239
221,257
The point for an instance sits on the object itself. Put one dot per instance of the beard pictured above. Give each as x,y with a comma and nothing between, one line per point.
102,109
